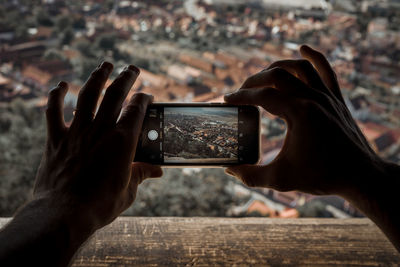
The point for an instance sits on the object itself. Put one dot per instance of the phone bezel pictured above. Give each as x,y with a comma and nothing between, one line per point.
209,165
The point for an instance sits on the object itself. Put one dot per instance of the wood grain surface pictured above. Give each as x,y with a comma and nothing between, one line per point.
201,241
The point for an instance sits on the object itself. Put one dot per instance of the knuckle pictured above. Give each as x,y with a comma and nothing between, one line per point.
304,63
272,65
266,92
250,80
279,72
248,181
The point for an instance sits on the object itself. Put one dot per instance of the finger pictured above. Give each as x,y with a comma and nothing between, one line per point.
258,175
132,118
55,111
89,95
139,172
280,79
142,171
272,100
324,68
115,95
303,70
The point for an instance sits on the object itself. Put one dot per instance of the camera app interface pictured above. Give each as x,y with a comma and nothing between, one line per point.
200,134
190,135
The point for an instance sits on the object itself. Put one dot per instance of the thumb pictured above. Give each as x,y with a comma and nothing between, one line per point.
141,171
271,99
250,175
272,175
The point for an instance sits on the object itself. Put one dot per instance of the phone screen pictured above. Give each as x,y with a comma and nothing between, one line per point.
200,134
188,134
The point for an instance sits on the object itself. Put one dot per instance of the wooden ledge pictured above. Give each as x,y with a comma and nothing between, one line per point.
173,241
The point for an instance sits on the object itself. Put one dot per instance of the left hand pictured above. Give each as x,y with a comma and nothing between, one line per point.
87,171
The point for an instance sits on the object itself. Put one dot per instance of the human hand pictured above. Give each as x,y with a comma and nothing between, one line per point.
324,150
87,170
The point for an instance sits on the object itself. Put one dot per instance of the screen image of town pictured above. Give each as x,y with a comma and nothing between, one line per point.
200,134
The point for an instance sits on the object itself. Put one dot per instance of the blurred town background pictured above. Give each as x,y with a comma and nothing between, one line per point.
194,51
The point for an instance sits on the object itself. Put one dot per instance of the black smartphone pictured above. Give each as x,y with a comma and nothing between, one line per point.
199,134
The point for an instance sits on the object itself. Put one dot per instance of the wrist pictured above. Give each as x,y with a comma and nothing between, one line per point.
42,231
372,185
63,216
376,197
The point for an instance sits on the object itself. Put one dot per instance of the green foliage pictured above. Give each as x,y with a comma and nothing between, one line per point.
202,193
85,48
52,54
63,22
314,208
79,23
107,41
67,36
118,55
44,19
87,66
22,140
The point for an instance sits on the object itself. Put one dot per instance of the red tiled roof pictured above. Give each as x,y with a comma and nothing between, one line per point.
33,73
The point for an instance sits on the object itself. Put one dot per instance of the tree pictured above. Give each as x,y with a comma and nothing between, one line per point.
107,41
79,23
86,48
314,208
63,22
21,145
87,66
44,19
202,192
67,36
53,54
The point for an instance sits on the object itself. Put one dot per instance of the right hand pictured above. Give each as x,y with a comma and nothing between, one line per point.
324,151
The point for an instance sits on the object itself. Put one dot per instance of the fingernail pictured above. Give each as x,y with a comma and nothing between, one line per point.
149,95
133,68
106,65
305,47
62,84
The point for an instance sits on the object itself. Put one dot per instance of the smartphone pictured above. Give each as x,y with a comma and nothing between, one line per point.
199,134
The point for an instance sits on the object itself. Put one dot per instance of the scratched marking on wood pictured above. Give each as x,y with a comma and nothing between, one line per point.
163,241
